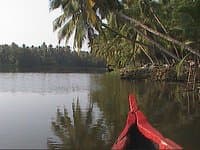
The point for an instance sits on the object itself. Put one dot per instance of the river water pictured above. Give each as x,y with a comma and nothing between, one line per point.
88,111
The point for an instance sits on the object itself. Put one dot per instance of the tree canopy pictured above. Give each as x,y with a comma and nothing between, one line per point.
127,32
45,56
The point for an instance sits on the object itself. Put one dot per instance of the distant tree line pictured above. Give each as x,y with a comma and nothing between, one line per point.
46,56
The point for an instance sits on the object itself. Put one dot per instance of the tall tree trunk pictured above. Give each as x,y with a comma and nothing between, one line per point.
168,38
161,25
156,44
147,38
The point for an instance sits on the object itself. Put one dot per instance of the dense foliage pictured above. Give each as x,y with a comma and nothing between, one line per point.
45,56
126,32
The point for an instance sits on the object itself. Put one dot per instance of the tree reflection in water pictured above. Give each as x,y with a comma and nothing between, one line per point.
79,132
172,110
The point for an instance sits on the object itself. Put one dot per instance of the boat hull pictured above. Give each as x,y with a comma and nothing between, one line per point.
139,134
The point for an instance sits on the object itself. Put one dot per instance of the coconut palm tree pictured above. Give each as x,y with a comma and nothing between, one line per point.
77,18
81,17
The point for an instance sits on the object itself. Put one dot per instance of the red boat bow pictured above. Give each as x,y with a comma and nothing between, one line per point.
137,119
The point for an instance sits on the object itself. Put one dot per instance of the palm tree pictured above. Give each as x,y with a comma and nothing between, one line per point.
77,18
81,17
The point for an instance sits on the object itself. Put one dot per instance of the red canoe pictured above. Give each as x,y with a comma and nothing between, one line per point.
139,134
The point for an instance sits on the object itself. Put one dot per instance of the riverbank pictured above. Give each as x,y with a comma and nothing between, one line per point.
189,75
161,73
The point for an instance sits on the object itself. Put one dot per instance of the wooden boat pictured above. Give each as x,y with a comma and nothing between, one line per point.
139,134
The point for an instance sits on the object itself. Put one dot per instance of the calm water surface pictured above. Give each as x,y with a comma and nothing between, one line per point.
87,111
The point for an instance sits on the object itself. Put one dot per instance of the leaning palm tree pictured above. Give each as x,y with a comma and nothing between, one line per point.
81,17
77,19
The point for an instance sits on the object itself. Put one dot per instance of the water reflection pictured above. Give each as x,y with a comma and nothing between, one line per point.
56,83
173,111
169,108
81,131
29,100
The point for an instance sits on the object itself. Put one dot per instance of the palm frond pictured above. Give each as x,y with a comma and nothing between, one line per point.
80,33
180,64
55,4
59,21
67,30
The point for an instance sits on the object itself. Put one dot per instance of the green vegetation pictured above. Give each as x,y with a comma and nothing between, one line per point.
136,32
169,108
15,57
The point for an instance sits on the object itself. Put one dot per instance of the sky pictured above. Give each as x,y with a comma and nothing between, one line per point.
27,22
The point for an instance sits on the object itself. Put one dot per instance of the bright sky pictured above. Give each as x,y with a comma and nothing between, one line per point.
27,22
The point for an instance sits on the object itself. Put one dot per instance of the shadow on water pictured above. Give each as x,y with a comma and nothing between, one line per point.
174,112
